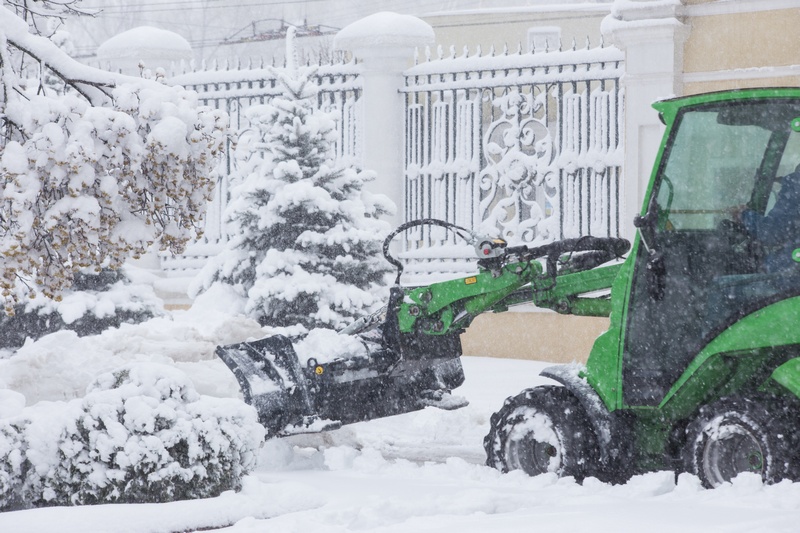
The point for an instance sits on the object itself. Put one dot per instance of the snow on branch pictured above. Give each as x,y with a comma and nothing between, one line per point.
94,84
97,175
305,235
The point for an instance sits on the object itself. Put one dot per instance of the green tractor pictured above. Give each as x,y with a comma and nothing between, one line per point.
699,370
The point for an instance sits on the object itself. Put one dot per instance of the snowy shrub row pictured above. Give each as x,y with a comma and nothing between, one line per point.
95,303
12,463
141,434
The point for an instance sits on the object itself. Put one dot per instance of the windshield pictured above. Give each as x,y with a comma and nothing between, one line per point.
725,156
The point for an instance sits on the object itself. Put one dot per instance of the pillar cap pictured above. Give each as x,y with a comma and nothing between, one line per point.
635,21
383,32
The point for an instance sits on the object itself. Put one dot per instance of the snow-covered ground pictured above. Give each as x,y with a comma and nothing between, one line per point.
412,473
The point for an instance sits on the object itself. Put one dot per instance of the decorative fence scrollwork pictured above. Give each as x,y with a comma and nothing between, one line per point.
523,146
517,181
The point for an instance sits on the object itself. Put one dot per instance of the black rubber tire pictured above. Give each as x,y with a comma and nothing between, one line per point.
736,434
544,429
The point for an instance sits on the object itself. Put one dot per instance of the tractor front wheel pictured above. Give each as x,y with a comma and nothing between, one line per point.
736,435
544,429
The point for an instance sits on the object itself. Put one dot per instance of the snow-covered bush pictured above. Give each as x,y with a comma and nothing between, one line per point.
95,176
306,238
91,186
13,464
94,303
143,434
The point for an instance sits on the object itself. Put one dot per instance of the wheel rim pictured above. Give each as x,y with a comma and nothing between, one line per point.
533,445
730,450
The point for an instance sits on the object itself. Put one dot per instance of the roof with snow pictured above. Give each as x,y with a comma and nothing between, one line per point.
145,42
385,30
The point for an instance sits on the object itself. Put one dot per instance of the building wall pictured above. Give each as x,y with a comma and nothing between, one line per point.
741,44
537,335
498,28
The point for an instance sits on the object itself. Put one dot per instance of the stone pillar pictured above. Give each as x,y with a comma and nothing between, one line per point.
652,36
384,44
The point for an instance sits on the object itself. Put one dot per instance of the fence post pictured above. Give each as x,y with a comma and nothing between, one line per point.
384,44
652,38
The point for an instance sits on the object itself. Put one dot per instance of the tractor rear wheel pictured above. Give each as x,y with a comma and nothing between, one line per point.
544,429
736,435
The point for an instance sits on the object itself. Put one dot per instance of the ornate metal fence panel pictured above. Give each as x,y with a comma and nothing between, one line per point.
523,146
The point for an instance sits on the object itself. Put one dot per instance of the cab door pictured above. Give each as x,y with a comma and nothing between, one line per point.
720,159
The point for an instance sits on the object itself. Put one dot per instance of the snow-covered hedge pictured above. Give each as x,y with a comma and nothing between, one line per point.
141,434
12,464
95,303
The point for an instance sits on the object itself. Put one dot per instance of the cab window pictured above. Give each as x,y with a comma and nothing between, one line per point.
712,167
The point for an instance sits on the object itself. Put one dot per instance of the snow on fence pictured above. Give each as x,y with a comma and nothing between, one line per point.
522,145
236,89
526,146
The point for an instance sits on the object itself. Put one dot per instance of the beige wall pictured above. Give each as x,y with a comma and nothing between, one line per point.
766,43
743,83
542,336
498,29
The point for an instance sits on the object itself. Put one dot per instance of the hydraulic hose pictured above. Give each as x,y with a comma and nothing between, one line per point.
458,230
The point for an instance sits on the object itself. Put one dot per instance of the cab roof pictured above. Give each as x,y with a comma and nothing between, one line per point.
669,108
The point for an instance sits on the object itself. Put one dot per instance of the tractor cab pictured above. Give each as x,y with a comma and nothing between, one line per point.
720,236
699,370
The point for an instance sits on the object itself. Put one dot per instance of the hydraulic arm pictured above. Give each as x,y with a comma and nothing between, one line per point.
561,276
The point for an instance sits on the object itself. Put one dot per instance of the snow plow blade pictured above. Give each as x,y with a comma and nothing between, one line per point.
271,380
293,397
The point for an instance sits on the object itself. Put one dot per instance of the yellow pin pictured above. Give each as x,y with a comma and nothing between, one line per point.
319,370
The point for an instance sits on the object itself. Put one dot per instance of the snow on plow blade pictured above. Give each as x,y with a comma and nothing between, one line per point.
291,397
269,374
261,366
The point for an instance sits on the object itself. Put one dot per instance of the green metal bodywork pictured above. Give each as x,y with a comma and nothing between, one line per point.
756,353
441,308
788,375
737,354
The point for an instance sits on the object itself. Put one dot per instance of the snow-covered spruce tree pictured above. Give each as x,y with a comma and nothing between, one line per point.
95,176
306,240
143,434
